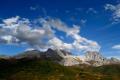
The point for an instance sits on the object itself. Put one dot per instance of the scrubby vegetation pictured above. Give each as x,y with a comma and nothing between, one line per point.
27,69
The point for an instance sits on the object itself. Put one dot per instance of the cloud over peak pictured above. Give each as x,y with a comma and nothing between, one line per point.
17,30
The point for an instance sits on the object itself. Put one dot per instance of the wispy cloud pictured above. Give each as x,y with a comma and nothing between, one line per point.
115,15
83,21
33,8
115,9
91,10
116,46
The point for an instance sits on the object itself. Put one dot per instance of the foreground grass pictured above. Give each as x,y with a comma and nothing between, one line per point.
48,70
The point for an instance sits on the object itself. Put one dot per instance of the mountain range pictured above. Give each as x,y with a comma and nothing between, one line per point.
58,65
66,58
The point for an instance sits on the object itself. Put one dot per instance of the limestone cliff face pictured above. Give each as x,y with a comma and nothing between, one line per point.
69,61
93,56
96,59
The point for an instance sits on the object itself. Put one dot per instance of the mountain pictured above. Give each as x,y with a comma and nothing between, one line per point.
93,56
60,56
96,59
59,65
28,54
54,55
114,60
4,56
67,59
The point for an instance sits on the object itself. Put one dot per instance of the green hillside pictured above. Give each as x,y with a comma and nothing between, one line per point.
26,69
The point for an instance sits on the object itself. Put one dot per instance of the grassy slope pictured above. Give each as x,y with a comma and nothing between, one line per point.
47,70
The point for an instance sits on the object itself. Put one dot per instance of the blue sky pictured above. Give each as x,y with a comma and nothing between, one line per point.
98,20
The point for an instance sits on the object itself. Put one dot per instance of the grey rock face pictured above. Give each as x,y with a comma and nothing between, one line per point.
93,56
96,59
114,59
54,55
69,61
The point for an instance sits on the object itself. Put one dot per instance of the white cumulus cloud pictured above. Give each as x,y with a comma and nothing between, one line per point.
40,34
10,21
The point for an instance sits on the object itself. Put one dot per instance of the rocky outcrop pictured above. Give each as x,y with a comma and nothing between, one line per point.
96,59
114,60
93,56
54,55
69,61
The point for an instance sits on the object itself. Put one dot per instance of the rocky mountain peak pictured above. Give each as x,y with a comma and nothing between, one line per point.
114,60
94,56
50,50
